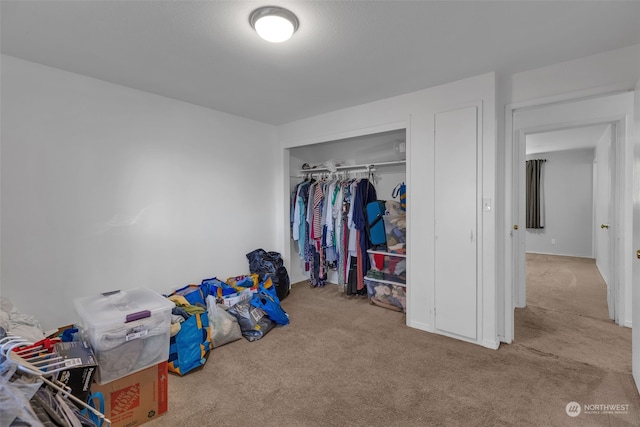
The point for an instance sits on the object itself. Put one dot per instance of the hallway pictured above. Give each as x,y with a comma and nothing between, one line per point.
566,314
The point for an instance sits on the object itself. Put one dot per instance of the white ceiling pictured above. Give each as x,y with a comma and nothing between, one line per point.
566,139
345,52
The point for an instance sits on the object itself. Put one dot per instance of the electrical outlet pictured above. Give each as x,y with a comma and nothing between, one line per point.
553,241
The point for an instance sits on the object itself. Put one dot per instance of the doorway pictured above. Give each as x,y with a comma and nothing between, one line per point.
572,240
529,119
524,119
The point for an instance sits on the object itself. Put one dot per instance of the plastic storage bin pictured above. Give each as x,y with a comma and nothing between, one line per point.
386,294
387,266
128,330
395,228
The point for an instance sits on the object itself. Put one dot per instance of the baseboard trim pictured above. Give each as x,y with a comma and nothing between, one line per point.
600,269
458,337
549,253
628,324
419,325
504,340
493,345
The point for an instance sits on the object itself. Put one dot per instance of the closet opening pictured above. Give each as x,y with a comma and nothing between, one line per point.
335,188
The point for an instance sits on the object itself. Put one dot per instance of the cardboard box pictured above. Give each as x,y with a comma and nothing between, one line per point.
137,398
232,299
81,363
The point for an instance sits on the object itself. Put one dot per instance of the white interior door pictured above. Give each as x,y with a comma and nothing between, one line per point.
456,241
604,214
520,223
635,303
607,227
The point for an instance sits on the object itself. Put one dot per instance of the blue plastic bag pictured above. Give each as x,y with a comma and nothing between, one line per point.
265,301
195,294
189,347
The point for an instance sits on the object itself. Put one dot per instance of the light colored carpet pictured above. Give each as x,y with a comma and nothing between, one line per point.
344,362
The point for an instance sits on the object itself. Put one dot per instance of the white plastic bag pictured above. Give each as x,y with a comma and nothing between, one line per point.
224,327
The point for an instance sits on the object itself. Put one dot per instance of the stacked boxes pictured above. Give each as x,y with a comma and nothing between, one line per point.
386,280
136,398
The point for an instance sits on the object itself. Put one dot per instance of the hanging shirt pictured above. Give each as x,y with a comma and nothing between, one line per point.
352,226
292,205
297,210
328,214
318,196
365,193
309,217
336,213
303,201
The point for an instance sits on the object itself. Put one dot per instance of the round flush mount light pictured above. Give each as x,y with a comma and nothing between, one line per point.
273,23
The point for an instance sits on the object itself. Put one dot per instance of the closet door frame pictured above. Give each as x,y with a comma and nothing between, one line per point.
414,112
288,173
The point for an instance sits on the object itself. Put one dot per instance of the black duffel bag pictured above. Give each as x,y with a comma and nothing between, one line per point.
270,264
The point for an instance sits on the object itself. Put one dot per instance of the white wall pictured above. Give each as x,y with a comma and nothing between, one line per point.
606,72
105,187
415,112
568,201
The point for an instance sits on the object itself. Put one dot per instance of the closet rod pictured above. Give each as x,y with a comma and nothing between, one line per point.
362,166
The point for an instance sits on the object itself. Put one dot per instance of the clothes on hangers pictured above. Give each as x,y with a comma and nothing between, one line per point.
328,221
365,194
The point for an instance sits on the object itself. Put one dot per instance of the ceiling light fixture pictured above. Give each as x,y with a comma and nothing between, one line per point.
273,23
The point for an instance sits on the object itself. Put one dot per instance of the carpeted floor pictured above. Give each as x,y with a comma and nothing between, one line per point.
344,362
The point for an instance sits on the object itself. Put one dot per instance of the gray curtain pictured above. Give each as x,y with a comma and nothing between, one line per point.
534,194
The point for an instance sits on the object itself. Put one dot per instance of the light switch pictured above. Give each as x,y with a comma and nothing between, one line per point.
486,205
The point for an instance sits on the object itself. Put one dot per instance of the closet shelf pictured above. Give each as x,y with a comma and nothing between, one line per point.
371,251
389,282
367,166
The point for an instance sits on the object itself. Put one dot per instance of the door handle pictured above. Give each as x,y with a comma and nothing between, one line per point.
603,226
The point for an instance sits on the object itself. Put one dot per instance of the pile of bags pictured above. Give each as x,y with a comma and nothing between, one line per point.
215,312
